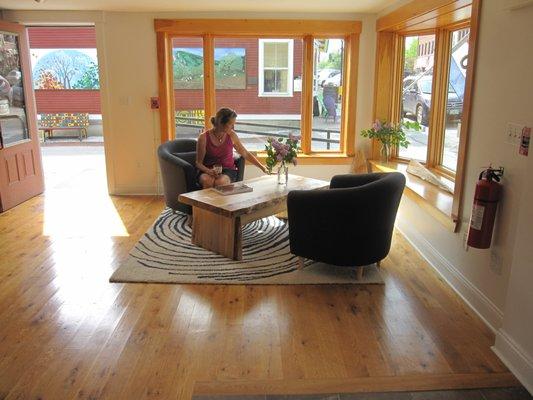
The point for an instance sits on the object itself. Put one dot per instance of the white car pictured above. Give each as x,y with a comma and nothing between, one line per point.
334,80
327,73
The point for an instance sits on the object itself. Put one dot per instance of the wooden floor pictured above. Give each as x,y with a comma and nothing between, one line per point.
67,333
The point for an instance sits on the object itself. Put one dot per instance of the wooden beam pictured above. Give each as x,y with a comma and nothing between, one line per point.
467,108
165,83
307,94
439,99
349,95
423,14
257,27
209,79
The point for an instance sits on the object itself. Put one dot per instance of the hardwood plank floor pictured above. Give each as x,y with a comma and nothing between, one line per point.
67,333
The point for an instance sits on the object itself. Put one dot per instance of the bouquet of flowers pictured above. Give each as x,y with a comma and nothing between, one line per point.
282,150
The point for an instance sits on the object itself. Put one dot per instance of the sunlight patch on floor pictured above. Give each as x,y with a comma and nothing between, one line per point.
76,200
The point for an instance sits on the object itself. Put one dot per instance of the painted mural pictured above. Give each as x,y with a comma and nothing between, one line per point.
65,69
230,68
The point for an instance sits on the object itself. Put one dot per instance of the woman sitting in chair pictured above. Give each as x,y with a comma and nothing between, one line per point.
214,154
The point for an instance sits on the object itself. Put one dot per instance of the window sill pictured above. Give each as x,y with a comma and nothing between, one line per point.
316,158
428,196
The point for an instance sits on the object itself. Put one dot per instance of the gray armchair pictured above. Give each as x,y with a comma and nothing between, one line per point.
177,159
350,224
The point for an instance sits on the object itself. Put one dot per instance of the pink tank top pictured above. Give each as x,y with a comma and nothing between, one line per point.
222,154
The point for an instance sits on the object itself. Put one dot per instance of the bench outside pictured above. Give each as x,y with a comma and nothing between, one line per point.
63,121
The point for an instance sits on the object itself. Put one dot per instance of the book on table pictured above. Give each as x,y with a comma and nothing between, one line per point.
233,188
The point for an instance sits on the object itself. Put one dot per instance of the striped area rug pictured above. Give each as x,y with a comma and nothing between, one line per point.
165,254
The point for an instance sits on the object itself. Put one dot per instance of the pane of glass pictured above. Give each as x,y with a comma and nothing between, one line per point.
276,54
260,117
13,122
456,92
416,94
275,81
188,70
327,94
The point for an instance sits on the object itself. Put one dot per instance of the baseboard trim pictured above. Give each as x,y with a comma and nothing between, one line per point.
356,385
515,358
471,295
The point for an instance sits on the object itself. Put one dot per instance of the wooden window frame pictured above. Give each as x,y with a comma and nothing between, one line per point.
419,17
261,68
307,30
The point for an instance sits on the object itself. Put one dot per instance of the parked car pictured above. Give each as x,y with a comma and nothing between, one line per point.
334,80
417,99
327,73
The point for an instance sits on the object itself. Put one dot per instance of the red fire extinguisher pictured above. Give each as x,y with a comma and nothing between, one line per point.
486,197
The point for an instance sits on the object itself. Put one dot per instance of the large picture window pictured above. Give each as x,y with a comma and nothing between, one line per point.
275,67
433,82
279,78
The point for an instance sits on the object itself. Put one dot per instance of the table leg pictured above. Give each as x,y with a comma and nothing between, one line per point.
217,233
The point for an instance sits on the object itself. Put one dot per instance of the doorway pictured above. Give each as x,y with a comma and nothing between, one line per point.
67,94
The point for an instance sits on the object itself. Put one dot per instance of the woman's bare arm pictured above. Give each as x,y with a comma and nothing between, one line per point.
245,153
200,154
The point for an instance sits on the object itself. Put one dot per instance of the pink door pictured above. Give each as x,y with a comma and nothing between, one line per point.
21,174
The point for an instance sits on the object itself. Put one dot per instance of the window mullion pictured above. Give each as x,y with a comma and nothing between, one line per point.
439,97
307,94
209,79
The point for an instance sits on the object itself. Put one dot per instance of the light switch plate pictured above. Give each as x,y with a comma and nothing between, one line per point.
513,133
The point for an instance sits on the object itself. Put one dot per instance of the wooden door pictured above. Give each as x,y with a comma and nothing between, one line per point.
21,175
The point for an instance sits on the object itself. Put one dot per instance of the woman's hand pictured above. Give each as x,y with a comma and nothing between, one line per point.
265,169
211,172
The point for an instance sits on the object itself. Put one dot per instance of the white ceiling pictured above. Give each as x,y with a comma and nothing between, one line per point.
304,6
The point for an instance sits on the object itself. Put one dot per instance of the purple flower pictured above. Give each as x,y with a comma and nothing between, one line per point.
377,125
279,157
294,138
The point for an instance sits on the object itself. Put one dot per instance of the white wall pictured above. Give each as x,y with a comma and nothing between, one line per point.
498,282
128,61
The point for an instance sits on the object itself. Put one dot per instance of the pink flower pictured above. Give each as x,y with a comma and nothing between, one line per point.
294,137
377,125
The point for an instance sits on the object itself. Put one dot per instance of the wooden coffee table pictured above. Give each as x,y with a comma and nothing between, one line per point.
218,219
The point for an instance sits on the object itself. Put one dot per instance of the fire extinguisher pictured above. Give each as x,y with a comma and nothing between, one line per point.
486,197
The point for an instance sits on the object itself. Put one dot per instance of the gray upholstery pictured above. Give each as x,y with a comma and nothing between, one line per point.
350,224
177,160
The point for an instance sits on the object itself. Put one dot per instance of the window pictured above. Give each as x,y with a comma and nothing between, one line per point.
188,86
458,60
327,97
275,67
416,95
451,66
266,70
237,86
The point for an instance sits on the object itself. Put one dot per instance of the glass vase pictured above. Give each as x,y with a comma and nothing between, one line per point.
385,152
283,174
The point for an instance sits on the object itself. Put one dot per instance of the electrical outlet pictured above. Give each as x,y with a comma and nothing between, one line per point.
496,262
513,133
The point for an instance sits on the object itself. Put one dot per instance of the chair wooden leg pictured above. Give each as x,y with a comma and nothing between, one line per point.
301,264
360,271
189,221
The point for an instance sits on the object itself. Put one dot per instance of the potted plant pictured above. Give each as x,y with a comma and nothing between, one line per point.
389,134
283,151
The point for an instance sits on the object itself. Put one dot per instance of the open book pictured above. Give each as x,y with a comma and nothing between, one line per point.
233,188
